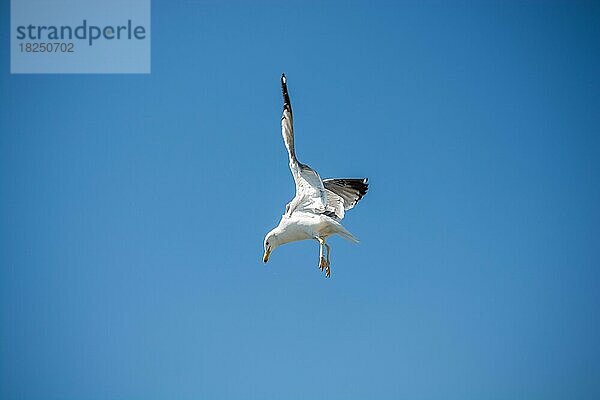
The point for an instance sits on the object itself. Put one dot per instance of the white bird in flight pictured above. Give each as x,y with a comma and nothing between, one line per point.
319,205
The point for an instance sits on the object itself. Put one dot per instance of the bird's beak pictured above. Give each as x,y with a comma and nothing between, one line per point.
266,255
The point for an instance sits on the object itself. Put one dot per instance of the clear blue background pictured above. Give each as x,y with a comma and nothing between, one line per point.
133,208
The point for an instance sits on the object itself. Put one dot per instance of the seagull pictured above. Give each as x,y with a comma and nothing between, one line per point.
319,205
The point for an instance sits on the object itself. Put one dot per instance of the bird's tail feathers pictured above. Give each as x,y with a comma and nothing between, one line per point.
343,232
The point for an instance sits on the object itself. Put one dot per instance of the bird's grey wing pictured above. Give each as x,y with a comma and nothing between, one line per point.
310,192
335,205
350,190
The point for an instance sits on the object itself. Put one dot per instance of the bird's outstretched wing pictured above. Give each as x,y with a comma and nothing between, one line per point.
310,192
351,190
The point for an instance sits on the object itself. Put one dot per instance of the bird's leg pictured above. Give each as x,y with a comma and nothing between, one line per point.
322,260
327,268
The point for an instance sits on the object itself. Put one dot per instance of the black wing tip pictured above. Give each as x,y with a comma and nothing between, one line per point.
362,188
286,96
355,183
365,187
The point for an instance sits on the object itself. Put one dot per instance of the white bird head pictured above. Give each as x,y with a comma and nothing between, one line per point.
271,243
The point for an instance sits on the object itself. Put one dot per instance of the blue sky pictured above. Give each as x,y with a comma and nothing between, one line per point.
133,208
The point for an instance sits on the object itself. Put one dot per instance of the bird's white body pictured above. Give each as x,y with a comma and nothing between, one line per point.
305,225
